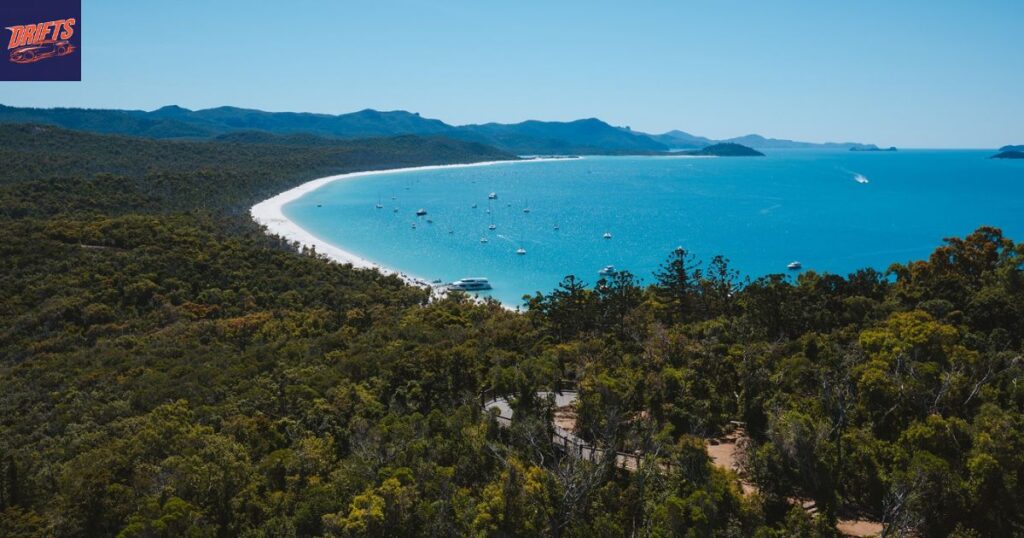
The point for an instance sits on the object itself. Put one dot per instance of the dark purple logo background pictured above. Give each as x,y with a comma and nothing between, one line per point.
54,59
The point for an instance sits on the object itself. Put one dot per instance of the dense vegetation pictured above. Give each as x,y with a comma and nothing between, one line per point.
168,370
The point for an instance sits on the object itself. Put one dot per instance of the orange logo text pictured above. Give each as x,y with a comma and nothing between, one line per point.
42,33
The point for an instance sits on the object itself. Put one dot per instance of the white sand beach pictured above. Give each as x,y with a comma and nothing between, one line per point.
269,213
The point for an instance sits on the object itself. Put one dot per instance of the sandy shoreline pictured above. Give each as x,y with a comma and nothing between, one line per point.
269,213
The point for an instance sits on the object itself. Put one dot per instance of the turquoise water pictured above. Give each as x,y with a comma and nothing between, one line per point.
761,213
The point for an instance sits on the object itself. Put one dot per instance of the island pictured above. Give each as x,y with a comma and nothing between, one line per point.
872,147
1012,148
725,149
1009,154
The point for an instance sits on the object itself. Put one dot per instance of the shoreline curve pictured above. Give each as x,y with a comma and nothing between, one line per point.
269,214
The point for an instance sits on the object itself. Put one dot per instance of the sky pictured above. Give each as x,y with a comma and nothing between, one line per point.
910,73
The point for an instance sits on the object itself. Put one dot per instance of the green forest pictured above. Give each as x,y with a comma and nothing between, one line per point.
167,369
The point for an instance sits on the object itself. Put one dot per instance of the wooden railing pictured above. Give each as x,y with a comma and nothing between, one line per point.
568,441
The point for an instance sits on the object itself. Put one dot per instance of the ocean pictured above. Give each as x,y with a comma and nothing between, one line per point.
833,211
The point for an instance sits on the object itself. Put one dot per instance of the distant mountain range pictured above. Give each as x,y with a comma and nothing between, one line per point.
586,136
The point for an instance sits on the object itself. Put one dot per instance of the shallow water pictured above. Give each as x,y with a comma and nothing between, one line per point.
834,211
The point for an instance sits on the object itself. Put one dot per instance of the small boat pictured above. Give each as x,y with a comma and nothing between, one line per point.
793,266
520,251
379,205
414,226
319,205
556,226
395,210
474,206
429,221
607,235
607,270
492,196
483,239
421,212
492,226
527,208
470,284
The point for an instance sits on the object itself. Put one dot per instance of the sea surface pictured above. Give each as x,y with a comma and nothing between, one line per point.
834,211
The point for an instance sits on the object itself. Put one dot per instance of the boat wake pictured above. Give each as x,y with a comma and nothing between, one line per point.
860,178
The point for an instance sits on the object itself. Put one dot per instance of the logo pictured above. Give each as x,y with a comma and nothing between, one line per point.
43,41
34,42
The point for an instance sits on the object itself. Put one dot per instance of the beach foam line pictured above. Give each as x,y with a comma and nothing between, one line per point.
269,213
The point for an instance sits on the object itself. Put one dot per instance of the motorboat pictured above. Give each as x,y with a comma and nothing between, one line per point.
607,235
793,266
421,212
483,239
492,226
520,251
492,196
470,284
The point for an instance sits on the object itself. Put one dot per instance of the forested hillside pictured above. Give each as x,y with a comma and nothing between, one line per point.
168,370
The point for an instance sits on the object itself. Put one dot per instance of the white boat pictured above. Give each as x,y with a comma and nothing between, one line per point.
421,212
793,266
607,270
556,227
520,251
492,226
607,235
470,284
474,206
527,208
492,196
483,239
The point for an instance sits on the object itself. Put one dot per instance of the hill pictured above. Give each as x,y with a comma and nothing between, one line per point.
1012,148
586,136
726,150
1012,154
682,140
759,142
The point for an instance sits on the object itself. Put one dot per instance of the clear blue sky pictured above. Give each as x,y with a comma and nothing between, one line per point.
910,73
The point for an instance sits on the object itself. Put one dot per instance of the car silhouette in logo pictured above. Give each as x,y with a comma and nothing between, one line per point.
34,53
